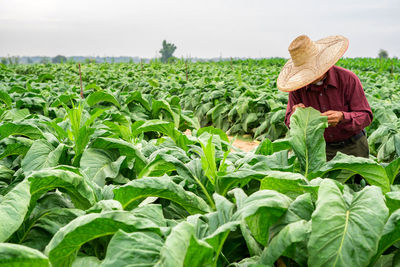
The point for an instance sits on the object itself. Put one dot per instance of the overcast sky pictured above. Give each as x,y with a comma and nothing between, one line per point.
200,28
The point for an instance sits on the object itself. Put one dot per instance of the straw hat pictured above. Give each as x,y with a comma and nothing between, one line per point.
310,60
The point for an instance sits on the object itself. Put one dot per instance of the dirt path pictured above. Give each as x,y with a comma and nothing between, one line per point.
244,143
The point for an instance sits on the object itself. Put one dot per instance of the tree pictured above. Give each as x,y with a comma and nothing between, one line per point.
4,60
59,59
383,54
167,51
44,60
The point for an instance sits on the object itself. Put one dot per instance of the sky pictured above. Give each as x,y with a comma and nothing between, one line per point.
201,28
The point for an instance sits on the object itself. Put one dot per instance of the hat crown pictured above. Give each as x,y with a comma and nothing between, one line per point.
302,49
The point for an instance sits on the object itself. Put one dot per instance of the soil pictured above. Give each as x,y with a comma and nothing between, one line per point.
244,143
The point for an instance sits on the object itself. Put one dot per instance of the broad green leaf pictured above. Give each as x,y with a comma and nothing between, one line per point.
41,155
393,201
213,131
265,148
392,170
140,249
4,97
6,173
13,208
307,138
214,227
15,149
164,127
228,181
208,160
137,97
182,248
101,96
373,173
261,210
88,261
158,105
105,205
98,165
162,187
390,235
21,256
290,235
14,115
165,160
73,184
65,244
24,129
125,149
287,183
345,232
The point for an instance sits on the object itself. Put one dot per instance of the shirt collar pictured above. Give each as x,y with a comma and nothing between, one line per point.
331,79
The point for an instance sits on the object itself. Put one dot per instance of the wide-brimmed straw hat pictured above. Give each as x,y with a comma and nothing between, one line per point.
310,60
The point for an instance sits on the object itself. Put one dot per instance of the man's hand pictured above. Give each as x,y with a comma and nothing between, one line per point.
334,117
301,105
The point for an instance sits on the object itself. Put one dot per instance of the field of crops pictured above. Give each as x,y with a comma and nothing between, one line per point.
110,179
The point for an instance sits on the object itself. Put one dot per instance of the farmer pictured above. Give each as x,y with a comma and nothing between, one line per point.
313,80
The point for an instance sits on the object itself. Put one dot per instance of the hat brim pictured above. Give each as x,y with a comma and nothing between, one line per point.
331,49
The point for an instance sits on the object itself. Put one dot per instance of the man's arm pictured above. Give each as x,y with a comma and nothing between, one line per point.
293,102
359,115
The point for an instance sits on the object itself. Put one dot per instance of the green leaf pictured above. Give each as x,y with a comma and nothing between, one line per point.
373,173
287,183
392,170
24,129
346,231
164,127
125,149
307,138
390,235
13,208
208,160
242,177
158,105
162,187
100,96
21,256
98,165
137,97
181,248
4,97
288,237
139,249
261,210
66,242
15,149
89,261
393,201
41,155
82,195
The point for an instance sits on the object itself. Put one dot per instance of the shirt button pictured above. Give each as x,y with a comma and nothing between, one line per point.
320,94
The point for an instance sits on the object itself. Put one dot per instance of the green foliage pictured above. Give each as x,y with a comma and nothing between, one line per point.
112,179
167,51
59,59
383,54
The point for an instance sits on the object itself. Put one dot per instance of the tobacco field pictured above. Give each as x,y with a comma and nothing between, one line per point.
109,177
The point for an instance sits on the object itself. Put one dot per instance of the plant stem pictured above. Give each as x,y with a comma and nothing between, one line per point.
80,77
205,192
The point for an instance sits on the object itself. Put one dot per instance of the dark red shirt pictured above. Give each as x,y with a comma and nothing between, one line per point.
340,91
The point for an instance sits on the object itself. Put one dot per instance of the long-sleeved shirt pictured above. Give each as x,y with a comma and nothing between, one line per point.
341,91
